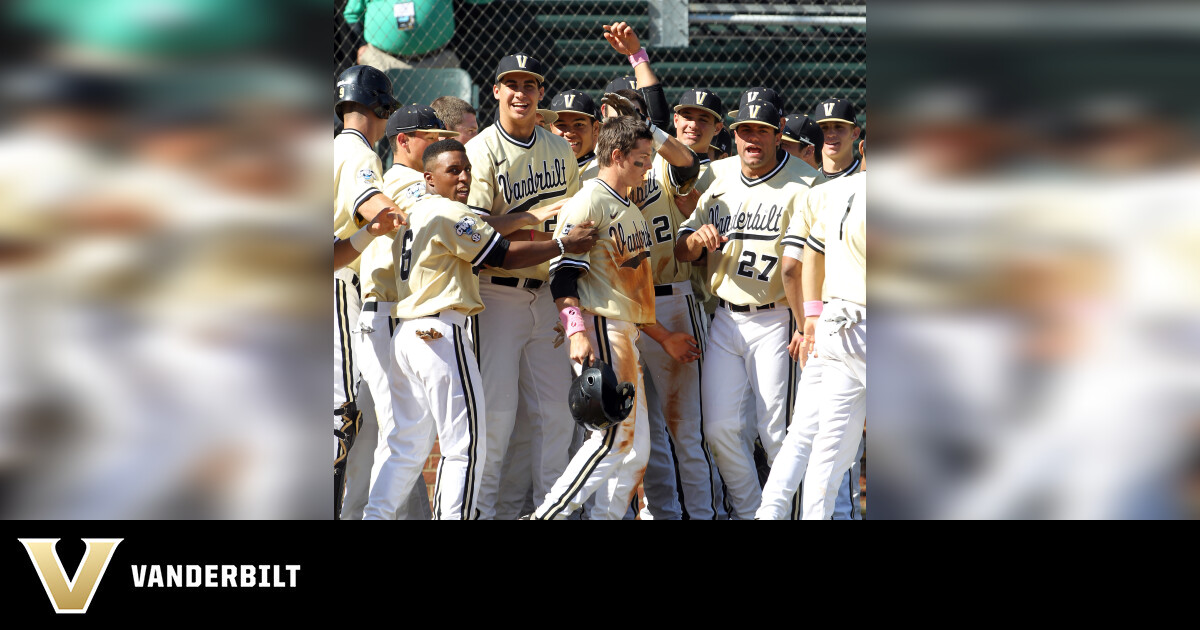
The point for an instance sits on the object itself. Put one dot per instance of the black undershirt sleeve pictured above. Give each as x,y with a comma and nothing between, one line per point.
656,102
565,283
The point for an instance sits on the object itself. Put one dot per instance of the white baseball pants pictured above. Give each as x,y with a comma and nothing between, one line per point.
747,357
514,340
611,463
435,386
373,350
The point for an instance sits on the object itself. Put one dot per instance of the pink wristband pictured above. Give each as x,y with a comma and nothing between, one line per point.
813,308
639,57
572,320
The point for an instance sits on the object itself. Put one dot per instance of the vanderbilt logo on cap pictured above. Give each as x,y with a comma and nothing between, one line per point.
751,96
522,60
754,109
700,96
829,109
73,596
569,99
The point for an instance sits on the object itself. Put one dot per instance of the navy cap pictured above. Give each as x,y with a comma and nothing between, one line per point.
758,112
701,98
574,101
414,117
722,141
837,109
760,94
802,129
621,83
521,62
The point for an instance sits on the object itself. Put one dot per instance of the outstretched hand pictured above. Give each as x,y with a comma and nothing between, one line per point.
388,220
622,38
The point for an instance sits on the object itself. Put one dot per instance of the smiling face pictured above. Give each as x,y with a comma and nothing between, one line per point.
695,127
450,176
518,93
756,146
839,139
579,130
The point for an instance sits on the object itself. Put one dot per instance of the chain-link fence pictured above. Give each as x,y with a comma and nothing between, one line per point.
806,52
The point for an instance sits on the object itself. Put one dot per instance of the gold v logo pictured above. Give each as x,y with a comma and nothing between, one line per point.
570,99
72,596
751,96
522,60
700,96
829,109
754,110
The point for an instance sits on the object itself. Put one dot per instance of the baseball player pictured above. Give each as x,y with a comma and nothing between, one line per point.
364,103
604,296
838,119
788,470
802,137
645,82
435,378
457,115
519,166
346,251
409,131
740,222
578,125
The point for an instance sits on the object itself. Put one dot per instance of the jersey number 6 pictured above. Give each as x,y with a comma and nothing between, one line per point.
406,257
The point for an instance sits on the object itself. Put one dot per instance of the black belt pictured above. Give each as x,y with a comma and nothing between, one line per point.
516,282
371,306
738,308
663,289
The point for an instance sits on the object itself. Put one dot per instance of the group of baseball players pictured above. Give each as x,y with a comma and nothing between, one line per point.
475,283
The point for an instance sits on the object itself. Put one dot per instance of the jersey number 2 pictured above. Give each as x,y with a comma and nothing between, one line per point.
662,229
406,257
746,266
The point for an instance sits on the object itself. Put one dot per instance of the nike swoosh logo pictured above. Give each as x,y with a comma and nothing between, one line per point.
715,195
636,260
501,161
613,215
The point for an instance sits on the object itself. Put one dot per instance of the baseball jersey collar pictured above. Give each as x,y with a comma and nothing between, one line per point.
849,169
778,167
524,145
355,132
581,162
614,193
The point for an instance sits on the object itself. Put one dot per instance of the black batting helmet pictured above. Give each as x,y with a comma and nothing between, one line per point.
367,86
597,400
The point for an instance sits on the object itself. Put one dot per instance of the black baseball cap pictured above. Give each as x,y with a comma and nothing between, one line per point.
701,98
521,62
838,109
802,129
621,83
722,141
758,112
760,94
414,117
574,101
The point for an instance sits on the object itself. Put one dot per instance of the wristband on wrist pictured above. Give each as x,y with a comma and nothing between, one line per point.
531,234
562,249
360,239
572,320
639,57
660,136
813,308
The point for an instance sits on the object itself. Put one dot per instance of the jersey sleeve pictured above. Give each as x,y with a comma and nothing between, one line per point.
696,219
366,177
800,220
576,211
483,178
404,190
816,233
466,236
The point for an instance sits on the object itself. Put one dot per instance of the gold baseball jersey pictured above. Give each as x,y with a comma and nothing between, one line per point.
656,199
508,175
437,254
840,232
377,268
755,214
618,282
356,178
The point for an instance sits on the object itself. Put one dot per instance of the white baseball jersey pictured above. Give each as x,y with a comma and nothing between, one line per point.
510,175
754,214
589,167
656,199
618,281
356,178
840,232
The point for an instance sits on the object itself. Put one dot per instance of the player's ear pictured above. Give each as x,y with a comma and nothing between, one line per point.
857,132
541,91
496,91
